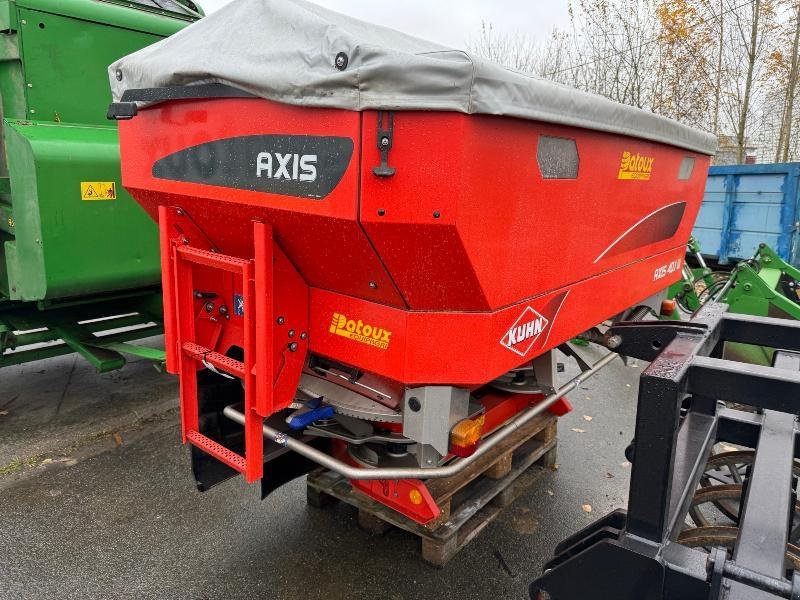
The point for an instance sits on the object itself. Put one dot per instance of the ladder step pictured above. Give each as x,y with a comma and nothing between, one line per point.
217,450
213,259
220,361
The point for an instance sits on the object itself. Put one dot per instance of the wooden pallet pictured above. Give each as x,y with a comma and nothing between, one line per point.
469,501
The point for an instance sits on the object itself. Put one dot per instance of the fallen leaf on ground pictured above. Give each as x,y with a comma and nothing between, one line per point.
587,418
627,385
587,508
65,460
588,397
609,476
578,430
626,464
554,467
117,438
551,493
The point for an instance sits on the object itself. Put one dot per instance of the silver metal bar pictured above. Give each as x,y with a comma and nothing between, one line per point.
721,294
687,273
351,381
449,470
700,260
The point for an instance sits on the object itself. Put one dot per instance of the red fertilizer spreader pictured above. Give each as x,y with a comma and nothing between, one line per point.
380,290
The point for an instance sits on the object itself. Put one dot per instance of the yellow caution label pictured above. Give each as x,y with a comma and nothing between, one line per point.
98,190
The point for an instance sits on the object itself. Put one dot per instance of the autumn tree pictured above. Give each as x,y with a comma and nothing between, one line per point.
619,38
516,51
785,68
728,66
747,38
685,77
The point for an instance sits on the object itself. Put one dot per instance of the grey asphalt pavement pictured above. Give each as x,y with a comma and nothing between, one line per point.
97,501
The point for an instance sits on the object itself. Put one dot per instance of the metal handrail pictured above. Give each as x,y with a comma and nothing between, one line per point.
449,470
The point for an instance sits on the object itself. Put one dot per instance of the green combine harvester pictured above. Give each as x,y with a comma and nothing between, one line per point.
79,264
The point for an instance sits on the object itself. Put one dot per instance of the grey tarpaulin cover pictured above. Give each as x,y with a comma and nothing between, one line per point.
285,50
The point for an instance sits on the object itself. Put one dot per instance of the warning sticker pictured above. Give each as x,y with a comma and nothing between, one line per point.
98,190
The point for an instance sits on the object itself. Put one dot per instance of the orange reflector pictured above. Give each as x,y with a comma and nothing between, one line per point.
465,435
668,307
415,497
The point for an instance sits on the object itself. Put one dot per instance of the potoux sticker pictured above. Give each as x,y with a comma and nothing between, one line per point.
359,331
635,166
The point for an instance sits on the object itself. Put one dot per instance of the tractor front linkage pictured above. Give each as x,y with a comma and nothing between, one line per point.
650,551
764,284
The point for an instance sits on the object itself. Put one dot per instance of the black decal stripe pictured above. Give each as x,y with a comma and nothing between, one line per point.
233,163
184,92
657,226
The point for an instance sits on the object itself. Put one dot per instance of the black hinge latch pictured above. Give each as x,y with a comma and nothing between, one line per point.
122,111
384,145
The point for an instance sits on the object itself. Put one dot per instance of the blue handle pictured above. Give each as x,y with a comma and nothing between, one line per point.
304,419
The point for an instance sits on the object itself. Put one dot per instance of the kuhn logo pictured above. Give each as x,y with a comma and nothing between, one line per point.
287,166
522,335
635,166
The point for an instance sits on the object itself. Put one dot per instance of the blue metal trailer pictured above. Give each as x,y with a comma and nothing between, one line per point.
746,205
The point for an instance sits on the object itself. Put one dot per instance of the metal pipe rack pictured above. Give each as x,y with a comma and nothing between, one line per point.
449,470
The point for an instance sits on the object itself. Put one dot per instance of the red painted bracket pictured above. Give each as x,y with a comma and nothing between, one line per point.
262,305
560,407
409,497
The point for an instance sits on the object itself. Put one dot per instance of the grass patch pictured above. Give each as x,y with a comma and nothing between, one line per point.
13,467
19,464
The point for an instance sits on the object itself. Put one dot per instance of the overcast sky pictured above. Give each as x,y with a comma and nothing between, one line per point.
449,22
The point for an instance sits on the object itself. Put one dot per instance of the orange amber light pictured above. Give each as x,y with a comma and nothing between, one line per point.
465,435
668,307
